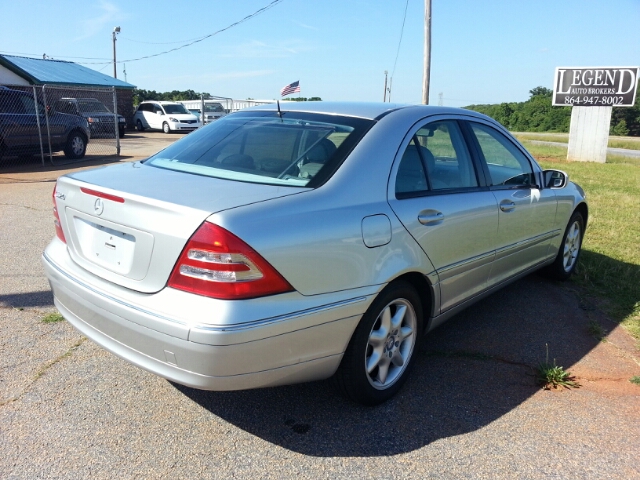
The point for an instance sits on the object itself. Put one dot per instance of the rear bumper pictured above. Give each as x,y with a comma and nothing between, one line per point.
296,347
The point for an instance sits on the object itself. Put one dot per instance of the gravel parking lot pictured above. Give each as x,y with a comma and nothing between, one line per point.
471,408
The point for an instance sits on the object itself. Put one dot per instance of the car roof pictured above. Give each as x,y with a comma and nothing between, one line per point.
369,110
4,89
162,102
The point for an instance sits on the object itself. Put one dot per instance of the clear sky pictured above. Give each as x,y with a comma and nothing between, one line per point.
483,51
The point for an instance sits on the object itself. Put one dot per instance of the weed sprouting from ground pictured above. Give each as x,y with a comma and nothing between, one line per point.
553,376
635,380
596,330
53,318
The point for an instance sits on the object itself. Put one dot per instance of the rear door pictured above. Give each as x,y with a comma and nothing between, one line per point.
526,211
438,195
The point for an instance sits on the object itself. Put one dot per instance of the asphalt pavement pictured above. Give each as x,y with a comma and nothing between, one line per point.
471,408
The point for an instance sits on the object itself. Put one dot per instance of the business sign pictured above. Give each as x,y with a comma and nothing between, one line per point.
595,86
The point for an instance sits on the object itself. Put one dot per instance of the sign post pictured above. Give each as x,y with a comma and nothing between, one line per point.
592,92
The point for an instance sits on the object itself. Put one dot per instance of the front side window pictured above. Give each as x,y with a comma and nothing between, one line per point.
262,147
436,159
29,104
507,165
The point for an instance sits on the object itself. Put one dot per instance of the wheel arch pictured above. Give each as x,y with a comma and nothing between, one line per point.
425,292
584,211
80,131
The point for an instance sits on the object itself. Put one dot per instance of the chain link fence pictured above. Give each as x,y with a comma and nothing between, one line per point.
57,125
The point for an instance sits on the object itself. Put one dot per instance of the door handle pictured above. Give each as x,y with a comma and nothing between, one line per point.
507,206
435,218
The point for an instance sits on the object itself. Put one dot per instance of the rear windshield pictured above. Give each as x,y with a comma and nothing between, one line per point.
296,149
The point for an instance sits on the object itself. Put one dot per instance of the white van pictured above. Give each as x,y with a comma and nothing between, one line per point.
165,116
213,110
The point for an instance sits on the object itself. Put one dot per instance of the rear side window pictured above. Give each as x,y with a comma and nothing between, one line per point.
262,147
436,159
507,165
11,104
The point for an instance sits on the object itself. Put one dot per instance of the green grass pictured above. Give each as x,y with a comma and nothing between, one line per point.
631,143
53,318
609,265
635,380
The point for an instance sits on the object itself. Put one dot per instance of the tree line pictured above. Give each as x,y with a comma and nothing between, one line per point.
140,95
538,115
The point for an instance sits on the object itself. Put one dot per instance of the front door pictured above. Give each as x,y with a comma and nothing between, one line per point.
526,211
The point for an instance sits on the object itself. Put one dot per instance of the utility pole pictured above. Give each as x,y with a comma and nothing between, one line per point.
427,51
384,98
440,99
116,30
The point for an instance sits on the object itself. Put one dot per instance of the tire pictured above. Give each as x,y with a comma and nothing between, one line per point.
139,126
76,146
565,263
379,355
166,128
121,132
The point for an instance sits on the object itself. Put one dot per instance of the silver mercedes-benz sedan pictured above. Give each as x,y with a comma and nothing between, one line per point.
288,244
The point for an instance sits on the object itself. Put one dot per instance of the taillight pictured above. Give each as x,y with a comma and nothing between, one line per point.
215,263
56,217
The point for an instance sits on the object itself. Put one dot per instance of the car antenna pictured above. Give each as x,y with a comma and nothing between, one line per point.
279,111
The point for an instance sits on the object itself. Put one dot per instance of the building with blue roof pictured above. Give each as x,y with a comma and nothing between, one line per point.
23,71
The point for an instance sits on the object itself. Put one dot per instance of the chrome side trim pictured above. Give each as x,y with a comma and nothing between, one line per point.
280,318
519,246
210,328
454,269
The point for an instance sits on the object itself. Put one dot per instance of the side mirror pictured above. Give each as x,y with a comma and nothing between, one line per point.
159,112
555,179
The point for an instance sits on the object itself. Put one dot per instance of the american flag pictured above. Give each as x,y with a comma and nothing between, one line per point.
291,88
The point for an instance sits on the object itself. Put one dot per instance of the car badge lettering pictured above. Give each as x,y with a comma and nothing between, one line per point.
60,195
98,206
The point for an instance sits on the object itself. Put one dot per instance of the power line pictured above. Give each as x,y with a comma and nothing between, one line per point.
406,5
248,17
159,43
108,61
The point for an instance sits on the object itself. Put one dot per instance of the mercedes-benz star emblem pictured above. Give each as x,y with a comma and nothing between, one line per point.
98,207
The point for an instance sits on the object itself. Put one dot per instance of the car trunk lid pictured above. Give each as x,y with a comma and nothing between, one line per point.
129,223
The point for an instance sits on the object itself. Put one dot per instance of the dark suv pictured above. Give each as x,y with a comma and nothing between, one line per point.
23,120
100,118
